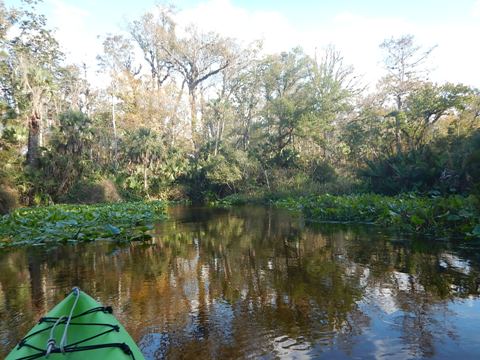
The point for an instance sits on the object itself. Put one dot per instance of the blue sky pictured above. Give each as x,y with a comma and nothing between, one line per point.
300,12
355,27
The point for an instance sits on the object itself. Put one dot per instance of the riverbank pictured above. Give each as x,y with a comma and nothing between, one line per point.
452,216
77,223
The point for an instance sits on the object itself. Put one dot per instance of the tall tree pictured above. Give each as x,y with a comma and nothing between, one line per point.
333,86
118,61
430,103
32,62
198,57
405,64
231,110
287,99
155,35
142,153
68,156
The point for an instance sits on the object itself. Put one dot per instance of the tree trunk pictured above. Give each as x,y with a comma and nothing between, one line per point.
218,135
115,137
193,116
266,178
175,112
145,178
398,140
33,139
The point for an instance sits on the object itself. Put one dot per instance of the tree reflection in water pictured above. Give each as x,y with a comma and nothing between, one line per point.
256,282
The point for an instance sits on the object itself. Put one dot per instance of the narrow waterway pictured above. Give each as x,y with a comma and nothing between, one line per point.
255,282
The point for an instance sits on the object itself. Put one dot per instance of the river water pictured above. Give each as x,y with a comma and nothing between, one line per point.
254,282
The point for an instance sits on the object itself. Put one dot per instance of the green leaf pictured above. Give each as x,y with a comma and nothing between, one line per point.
417,220
476,231
453,217
392,213
112,229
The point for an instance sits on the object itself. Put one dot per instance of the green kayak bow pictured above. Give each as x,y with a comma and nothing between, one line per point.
77,328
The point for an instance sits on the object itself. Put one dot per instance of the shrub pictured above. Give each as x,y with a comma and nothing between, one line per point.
8,199
176,192
448,164
322,172
439,216
103,191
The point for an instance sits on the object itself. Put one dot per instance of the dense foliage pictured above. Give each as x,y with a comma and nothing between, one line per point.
71,223
187,114
440,216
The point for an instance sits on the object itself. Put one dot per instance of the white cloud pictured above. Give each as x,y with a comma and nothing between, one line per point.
72,32
476,9
232,21
357,37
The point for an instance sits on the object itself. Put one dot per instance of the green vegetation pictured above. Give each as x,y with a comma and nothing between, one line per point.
8,200
70,223
193,115
440,216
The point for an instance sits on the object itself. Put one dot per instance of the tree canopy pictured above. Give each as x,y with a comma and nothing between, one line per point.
193,113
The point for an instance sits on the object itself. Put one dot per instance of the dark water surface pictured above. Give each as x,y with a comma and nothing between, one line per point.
253,282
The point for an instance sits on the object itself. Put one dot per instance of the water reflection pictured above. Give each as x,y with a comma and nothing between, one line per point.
257,283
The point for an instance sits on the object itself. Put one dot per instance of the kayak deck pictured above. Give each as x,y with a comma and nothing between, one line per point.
88,330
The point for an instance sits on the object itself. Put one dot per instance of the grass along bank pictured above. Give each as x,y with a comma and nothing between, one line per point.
75,223
456,216
437,216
